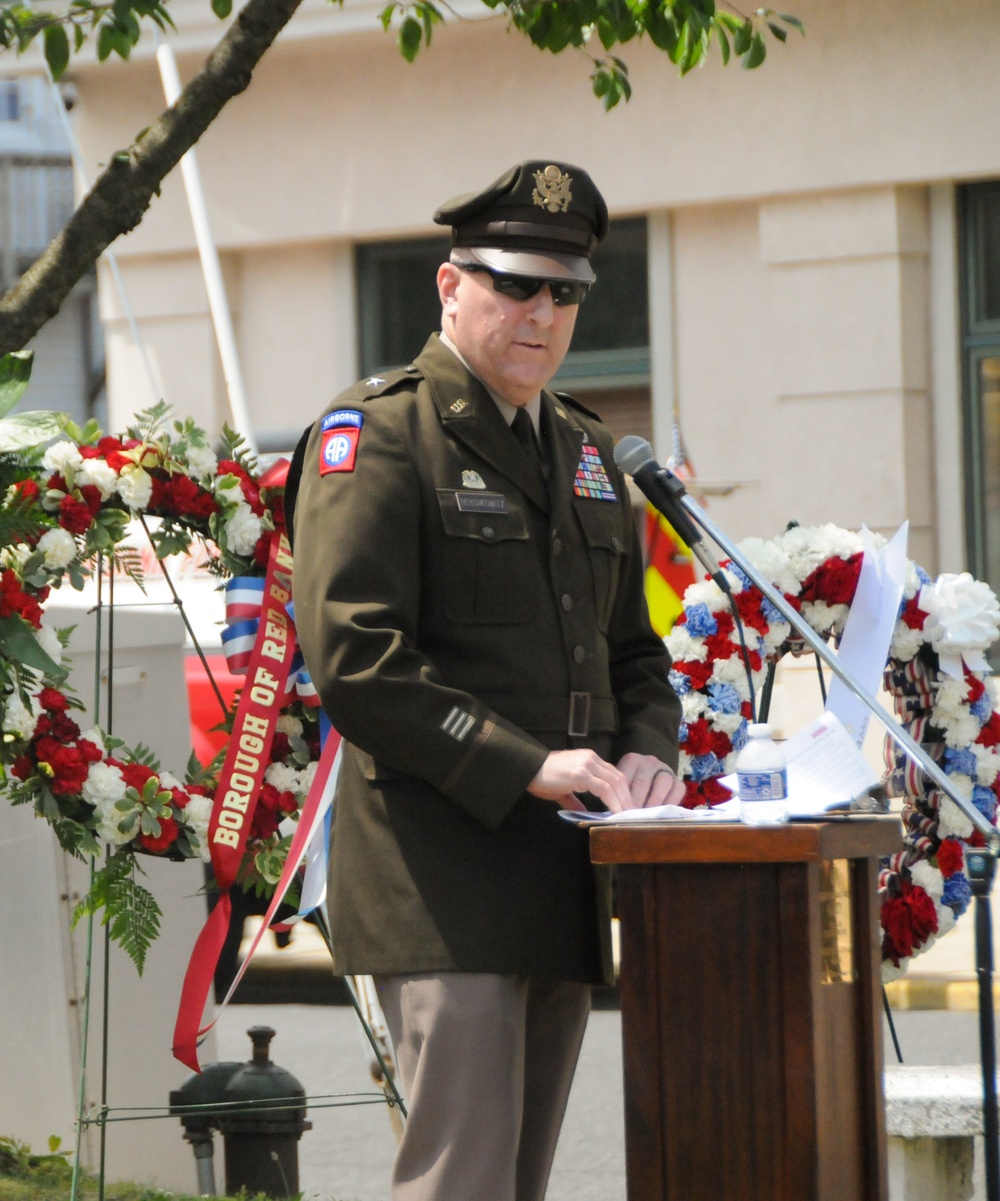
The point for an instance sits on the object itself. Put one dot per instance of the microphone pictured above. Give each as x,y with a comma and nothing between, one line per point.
663,490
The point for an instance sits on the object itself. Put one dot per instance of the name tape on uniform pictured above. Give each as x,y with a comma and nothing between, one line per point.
339,445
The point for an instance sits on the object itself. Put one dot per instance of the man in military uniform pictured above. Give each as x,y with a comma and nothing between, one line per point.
468,593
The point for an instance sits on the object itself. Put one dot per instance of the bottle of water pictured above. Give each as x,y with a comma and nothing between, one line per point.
763,779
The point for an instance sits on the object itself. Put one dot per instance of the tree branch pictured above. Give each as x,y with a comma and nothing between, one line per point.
122,193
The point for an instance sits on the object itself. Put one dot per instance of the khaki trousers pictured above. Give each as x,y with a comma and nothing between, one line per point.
486,1064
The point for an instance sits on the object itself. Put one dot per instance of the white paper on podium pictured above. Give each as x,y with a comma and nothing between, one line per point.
656,813
864,646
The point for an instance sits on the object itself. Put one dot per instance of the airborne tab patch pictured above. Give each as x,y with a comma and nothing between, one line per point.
591,476
338,449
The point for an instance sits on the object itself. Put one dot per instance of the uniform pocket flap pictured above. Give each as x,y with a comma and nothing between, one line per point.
488,517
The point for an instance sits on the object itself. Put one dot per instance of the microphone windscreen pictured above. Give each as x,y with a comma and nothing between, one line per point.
632,453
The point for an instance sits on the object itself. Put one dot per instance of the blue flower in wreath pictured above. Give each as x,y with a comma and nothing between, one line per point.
957,893
680,683
740,574
741,736
960,759
771,613
723,698
700,623
704,767
984,800
982,710
682,733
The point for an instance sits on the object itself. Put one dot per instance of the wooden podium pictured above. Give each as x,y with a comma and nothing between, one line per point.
751,1009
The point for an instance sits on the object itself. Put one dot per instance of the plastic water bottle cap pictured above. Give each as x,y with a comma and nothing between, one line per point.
758,730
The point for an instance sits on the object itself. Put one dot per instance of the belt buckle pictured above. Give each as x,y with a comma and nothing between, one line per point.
579,714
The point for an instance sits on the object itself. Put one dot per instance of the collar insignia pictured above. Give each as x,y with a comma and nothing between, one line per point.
562,412
373,381
458,405
472,479
552,190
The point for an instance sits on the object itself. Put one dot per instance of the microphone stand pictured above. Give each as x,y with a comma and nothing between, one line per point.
980,862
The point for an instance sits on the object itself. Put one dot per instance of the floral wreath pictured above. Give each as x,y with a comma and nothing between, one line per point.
63,510
935,674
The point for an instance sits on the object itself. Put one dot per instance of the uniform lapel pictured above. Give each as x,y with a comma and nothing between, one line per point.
469,413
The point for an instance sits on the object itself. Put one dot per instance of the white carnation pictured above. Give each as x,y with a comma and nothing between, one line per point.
823,617
169,780
59,548
890,972
63,457
135,487
99,473
987,764
242,530
728,723
928,877
905,642
287,724
772,562
203,461
48,640
959,731
15,556
111,819
95,736
732,671
683,647
946,919
708,593
308,775
693,705
952,822
196,815
18,719
104,785
283,777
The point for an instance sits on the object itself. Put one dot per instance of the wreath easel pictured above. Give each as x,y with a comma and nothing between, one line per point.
939,684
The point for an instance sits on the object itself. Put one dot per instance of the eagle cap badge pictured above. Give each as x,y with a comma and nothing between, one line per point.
552,189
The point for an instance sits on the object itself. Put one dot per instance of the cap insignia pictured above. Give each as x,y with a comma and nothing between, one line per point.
458,405
472,479
552,190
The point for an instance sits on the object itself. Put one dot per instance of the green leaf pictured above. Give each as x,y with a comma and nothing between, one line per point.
742,37
56,49
720,33
20,644
15,372
410,33
222,8
793,21
25,431
756,54
779,33
129,909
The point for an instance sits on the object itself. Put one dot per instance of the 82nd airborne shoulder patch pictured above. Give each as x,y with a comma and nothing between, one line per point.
339,446
591,476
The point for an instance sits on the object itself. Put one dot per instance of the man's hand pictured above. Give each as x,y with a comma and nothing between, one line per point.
650,781
566,772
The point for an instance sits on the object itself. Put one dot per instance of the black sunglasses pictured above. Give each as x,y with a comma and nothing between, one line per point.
523,287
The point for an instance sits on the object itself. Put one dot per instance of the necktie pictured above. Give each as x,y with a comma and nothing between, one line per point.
524,431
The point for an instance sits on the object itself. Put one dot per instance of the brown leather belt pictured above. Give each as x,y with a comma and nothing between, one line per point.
579,714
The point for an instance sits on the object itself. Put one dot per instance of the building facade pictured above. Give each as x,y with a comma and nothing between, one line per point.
804,268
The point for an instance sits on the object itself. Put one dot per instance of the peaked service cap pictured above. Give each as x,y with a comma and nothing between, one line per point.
541,219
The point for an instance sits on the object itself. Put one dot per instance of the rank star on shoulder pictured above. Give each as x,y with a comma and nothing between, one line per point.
373,381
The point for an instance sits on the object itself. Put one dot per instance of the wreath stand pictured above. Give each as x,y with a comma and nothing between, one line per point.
99,1114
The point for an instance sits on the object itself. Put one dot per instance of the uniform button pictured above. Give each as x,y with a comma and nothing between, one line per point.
579,654
411,368
487,531
556,546
615,542
567,602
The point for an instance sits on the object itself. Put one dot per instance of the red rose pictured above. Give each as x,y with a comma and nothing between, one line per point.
27,490
698,673
69,768
262,550
135,775
989,735
15,601
23,767
59,726
908,920
281,747
159,842
53,700
950,857
74,515
834,581
265,822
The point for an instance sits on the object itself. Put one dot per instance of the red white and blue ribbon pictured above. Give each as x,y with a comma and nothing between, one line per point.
244,598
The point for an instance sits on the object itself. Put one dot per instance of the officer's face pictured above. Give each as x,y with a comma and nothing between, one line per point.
514,346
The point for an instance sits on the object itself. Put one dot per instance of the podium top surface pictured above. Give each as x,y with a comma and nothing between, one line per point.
715,842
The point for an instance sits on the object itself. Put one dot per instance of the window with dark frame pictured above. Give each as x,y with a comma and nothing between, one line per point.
608,366
979,229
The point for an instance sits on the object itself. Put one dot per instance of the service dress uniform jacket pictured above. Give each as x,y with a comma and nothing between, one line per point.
461,617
